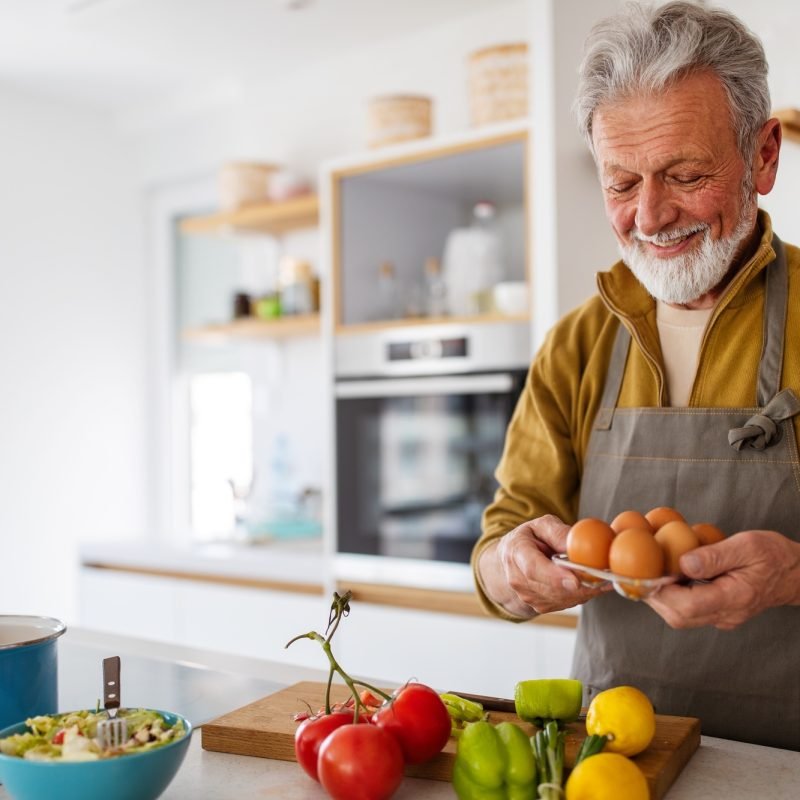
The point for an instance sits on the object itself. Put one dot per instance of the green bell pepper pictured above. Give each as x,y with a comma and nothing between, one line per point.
540,700
494,763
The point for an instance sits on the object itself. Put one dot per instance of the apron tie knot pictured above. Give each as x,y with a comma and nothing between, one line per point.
761,430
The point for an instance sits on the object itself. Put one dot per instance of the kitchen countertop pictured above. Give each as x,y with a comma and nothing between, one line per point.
286,562
202,685
299,565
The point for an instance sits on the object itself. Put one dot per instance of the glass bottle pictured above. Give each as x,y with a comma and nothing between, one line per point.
435,289
387,292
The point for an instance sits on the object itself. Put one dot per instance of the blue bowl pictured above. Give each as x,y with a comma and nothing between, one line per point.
139,776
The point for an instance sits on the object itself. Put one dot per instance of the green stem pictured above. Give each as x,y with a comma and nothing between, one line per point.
339,608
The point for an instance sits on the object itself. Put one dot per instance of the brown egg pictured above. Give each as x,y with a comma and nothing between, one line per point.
708,533
630,519
676,538
662,515
635,553
588,542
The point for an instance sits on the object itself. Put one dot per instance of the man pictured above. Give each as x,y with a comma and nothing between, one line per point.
677,385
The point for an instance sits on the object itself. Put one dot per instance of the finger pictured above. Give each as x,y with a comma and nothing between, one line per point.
714,559
542,585
691,606
552,531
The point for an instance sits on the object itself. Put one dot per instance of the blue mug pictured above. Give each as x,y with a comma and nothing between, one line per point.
28,667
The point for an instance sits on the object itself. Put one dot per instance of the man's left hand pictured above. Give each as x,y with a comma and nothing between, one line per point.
747,573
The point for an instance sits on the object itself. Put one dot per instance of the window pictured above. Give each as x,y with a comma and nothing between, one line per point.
221,451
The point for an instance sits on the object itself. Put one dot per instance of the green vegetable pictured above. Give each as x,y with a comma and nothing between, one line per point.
548,751
591,746
461,711
494,763
554,698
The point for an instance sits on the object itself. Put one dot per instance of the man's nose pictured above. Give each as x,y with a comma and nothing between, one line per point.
655,208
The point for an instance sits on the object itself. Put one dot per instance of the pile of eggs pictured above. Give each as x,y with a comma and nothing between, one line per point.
638,545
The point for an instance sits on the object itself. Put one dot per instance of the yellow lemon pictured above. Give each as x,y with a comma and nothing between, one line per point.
626,716
607,776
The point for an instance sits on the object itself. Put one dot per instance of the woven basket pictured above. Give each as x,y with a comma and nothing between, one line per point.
243,183
498,83
397,118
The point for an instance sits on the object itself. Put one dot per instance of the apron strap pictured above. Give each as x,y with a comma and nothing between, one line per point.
775,302
613,384
763,429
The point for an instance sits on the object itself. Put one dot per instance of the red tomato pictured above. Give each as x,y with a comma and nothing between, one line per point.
418,719
360,762
310,735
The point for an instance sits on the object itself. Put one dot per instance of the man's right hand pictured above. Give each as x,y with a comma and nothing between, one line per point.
517,573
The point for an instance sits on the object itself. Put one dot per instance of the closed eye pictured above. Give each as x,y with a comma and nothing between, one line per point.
686,180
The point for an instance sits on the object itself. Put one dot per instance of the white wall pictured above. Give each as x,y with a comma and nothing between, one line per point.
73,427
774,21
318,113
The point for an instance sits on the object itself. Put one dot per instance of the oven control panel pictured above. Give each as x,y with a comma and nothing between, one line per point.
422,349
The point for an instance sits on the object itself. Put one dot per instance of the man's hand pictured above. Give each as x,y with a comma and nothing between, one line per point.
517,572
747,573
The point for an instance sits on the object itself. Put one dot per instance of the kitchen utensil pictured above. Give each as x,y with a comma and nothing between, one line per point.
112,732
137,776
28,666
266,728
488,703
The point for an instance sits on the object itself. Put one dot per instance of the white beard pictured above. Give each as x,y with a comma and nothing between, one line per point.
686,277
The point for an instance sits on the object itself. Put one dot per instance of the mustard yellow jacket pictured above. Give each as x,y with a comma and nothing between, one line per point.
541,466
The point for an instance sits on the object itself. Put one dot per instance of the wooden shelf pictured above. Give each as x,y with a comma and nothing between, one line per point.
270,218
416,322
254,328
790,122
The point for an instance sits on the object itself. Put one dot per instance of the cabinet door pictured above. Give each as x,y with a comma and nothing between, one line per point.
450,652
126,604
250,622
239,620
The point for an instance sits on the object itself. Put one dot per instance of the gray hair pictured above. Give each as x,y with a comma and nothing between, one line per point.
646,48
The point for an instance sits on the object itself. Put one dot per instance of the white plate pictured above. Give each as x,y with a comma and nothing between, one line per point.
632,588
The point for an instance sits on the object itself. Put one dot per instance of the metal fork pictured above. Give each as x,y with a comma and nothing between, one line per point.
112,732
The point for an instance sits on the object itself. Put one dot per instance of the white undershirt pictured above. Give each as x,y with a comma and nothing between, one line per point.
681,332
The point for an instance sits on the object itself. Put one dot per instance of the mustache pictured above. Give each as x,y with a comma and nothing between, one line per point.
667,236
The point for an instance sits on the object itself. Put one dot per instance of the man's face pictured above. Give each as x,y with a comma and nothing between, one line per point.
675,186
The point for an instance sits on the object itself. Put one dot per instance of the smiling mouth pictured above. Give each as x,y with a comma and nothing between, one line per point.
673,242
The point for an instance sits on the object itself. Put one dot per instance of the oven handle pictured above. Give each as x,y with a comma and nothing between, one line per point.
499,383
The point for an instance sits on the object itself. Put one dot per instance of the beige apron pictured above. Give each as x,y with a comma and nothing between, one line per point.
737,468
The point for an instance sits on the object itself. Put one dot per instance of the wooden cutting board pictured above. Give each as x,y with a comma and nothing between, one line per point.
266,729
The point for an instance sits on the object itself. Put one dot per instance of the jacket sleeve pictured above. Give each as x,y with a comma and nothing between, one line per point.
538,473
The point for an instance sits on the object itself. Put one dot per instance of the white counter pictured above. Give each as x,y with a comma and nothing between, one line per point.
298,561
203,685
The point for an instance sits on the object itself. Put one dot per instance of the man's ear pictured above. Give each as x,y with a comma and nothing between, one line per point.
765,162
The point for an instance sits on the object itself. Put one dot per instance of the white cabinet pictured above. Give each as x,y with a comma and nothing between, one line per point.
235,619
447,651
451,651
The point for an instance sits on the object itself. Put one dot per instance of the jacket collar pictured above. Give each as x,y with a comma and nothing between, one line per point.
626,297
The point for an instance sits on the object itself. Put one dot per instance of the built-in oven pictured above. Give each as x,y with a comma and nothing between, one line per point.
421,416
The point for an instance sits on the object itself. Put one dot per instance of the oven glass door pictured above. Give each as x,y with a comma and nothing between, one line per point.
416,460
